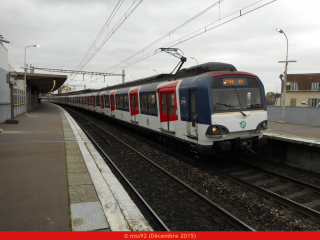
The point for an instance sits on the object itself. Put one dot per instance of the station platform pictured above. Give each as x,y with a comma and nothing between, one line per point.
53,179
295,133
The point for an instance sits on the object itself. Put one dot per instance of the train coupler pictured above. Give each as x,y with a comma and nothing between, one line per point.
245,144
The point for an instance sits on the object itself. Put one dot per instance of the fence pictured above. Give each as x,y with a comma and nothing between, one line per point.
301,115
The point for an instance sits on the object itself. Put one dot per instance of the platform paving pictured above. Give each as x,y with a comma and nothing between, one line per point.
53,179
293,132
33,178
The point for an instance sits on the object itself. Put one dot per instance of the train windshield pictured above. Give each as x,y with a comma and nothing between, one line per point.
231,94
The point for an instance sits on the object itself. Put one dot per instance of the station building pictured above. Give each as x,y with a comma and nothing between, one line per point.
303,88
17,96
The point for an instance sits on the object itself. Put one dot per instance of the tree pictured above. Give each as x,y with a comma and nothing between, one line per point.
271,98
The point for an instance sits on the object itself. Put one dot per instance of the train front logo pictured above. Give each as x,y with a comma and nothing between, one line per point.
243,124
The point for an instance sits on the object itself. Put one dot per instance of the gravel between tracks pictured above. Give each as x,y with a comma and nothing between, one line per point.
176,208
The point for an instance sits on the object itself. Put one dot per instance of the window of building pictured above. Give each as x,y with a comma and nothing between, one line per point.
315,86
313,102
293,102
294,86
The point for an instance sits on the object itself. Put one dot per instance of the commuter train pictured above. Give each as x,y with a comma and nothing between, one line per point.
208,108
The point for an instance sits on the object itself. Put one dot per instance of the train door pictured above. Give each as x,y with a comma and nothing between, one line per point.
112,103
102,101
192,115
93,102
134,104
168,107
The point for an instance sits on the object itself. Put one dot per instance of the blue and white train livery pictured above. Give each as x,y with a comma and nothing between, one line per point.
206,108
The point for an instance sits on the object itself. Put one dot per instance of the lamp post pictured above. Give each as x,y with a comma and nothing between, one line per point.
285,79
154,70
132,77
281,78
194,59
25,74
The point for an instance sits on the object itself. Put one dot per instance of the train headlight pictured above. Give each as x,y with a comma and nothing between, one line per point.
262,126
216,131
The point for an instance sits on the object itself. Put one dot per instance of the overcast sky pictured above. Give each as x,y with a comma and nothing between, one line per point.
66,30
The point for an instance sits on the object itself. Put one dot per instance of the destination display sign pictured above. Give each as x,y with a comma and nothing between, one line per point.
235,81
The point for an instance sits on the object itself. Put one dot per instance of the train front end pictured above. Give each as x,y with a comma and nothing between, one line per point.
238,111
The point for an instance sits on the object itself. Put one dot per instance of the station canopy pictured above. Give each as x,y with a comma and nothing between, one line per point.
42,83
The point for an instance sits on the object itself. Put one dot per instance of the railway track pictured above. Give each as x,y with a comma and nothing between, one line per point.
270,183
251,207
110,139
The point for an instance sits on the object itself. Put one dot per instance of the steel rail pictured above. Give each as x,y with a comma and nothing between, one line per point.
285,178
237,223
297,206
155,218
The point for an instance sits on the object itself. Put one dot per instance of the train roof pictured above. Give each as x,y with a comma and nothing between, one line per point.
186,72
217,67
89,90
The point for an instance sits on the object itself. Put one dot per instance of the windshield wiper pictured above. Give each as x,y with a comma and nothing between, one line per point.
227,105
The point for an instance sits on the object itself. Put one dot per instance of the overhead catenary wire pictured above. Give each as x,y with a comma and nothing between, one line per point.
100,33
168,34
96,48
240,13
195,33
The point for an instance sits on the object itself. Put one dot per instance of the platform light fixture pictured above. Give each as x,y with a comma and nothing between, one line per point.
194,59
284,80
279,30
154,71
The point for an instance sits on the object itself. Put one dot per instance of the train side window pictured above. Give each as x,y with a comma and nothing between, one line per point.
144,103
117,101
171,102
126,102
106,100
90,100
152,102
164,103
121,102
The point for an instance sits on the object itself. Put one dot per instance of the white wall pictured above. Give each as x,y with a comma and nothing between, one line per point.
301,115
5,110
4,87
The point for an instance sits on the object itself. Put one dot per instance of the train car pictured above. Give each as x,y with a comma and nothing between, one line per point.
206,108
